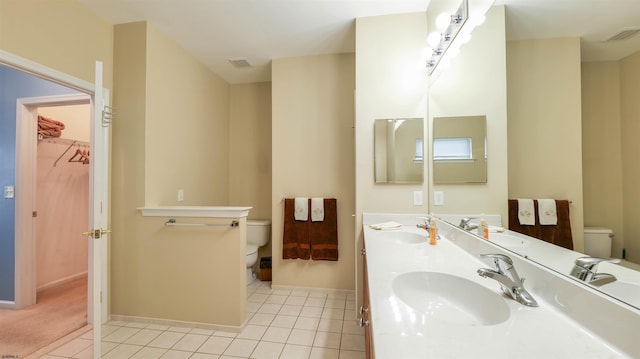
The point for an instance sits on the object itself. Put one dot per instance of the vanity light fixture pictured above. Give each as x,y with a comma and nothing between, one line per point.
440,42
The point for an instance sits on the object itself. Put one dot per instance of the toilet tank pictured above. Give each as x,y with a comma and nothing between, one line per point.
597,241
258,231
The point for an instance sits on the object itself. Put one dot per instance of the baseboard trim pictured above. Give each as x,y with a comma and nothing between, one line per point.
7,304
177,323
62,281
347,292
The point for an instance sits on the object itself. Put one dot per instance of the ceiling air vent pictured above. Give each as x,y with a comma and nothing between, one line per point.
239,62
624,34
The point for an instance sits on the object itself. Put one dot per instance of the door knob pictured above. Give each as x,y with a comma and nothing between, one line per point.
96,233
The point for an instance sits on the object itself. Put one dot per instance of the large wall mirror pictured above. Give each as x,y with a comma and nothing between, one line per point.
460,149
472,82
399,150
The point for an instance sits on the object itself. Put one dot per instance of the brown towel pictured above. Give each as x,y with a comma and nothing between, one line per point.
295,236
559,234
324,235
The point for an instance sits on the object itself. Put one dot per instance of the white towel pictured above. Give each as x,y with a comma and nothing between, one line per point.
547,212
317,209
386,226
526,214
301,209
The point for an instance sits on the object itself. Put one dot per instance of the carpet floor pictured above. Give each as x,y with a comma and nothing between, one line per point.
58,312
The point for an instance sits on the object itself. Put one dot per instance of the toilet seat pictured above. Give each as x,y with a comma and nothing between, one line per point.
252,249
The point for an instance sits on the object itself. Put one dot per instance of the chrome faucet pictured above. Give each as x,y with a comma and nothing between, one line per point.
464,224
510,282
585,269
427,225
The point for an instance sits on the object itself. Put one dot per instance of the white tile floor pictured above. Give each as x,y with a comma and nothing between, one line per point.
282,324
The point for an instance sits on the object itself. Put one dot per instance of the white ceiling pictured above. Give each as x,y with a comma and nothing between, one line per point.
261,30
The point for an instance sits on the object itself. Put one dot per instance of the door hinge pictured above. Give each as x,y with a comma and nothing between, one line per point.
100,297
108,114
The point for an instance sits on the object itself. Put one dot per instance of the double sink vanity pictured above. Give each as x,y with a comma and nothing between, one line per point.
463,298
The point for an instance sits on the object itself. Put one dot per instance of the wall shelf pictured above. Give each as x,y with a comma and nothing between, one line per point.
195,211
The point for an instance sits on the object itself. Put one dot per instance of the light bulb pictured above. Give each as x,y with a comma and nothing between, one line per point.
442,21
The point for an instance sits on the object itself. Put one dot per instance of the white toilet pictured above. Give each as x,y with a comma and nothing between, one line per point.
597,241
258,234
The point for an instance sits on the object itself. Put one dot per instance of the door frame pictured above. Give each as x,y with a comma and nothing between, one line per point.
35,69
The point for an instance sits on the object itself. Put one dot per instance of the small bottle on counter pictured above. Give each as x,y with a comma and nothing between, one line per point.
484,229
433,232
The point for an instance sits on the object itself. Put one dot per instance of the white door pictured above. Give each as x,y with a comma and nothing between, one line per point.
99,209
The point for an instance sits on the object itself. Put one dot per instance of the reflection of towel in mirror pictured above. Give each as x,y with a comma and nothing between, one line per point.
559,234
295,236
526,212
547,212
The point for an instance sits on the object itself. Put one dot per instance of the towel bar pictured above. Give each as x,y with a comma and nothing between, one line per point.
172,223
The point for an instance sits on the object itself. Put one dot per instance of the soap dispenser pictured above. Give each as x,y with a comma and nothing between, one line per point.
433,232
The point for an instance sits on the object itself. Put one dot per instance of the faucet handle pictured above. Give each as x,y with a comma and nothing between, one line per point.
590,263
464,221
496,257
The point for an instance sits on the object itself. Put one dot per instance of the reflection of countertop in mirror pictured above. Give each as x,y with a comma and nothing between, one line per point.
402,331
561,259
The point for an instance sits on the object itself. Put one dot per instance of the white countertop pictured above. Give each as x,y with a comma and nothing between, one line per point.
399,331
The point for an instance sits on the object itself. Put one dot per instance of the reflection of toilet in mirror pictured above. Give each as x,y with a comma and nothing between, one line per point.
258,234
597,241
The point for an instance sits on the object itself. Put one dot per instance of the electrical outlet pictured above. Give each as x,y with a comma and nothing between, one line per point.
180,195
9,191
417,198
438,198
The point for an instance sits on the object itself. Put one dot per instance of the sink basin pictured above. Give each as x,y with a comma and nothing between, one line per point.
508,241
450,299
409,237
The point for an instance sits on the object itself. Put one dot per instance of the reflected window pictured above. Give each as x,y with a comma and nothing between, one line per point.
419,153
446,149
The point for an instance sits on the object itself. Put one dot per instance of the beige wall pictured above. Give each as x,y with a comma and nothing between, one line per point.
312,151
391,82
172,135
187,128
250,151
544,128
630,128
62,35
601,149
476,85
250,148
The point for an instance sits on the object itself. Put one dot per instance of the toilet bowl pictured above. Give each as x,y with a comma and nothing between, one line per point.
258,234
597,241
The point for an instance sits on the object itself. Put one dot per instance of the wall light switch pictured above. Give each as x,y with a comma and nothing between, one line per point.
438,198
8,192
180,195
417,198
